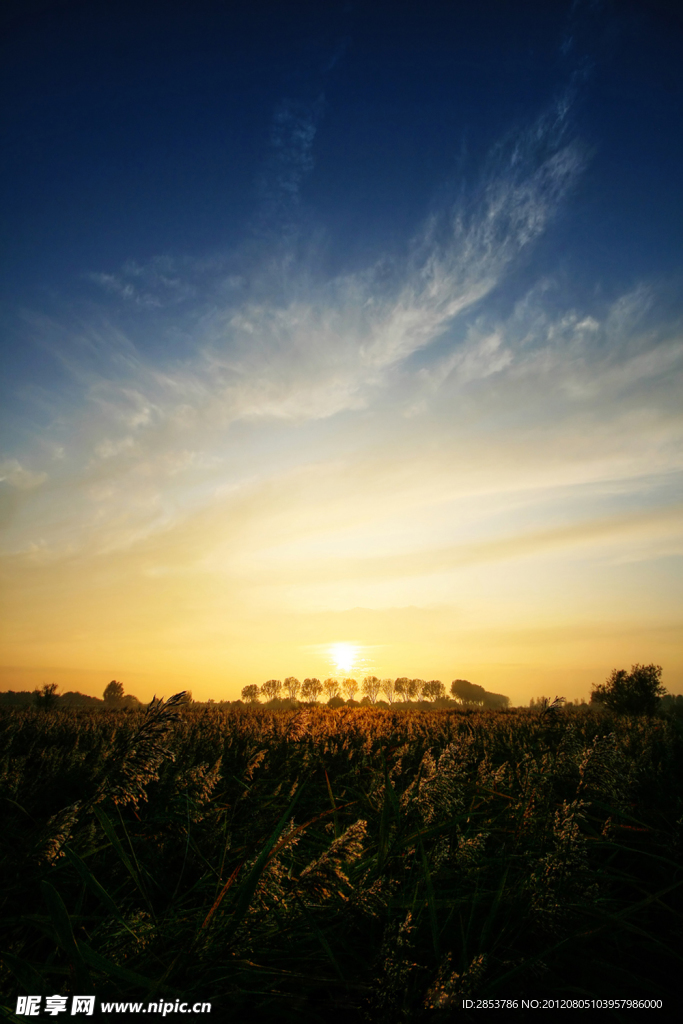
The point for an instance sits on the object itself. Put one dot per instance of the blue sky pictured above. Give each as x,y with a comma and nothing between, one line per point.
341,323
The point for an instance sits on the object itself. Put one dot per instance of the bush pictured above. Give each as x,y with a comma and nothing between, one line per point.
46,698
113,694
631,693
672,704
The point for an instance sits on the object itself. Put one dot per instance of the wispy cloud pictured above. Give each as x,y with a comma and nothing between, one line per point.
666,523
315,431
298,348
155,285
13,473
290,162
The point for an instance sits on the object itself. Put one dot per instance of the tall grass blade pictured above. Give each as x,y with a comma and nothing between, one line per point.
118,973
65,935
27,976
248,887
111,835
334,806
97,890
431,901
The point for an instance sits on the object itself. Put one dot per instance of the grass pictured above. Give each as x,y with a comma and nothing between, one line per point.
356,865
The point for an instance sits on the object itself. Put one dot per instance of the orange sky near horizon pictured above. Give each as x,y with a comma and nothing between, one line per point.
209,604
522,534
456,444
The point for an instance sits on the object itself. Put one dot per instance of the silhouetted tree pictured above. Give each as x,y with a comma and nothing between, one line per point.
633,693
475,696
496,701
331,688
672,704
311,690
370,688
416,689
46,697
292,686
389,689
250,693
468,693
433,690
401,686
113,693
350,688
74,699
271,689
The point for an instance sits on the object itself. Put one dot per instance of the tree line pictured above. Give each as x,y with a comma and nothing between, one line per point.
46,698
638,692
400,690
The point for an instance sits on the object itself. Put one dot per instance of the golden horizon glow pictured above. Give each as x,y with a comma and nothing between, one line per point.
467,485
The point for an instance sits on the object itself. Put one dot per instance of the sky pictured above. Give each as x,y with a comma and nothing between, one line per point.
341,339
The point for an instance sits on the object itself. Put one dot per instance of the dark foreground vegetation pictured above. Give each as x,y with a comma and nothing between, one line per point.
357,864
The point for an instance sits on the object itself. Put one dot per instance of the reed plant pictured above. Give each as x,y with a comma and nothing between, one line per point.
357,864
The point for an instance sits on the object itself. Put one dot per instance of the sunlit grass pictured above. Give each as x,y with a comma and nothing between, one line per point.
353,864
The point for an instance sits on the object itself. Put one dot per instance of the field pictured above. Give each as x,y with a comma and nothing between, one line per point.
341,865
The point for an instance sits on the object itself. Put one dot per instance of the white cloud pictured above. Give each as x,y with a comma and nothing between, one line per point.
107,449
478,357
543,398
12,472
326,348
161,282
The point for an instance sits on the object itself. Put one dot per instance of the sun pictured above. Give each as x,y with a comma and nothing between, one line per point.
343,656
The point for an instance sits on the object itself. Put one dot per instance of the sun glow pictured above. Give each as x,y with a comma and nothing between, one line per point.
344,656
